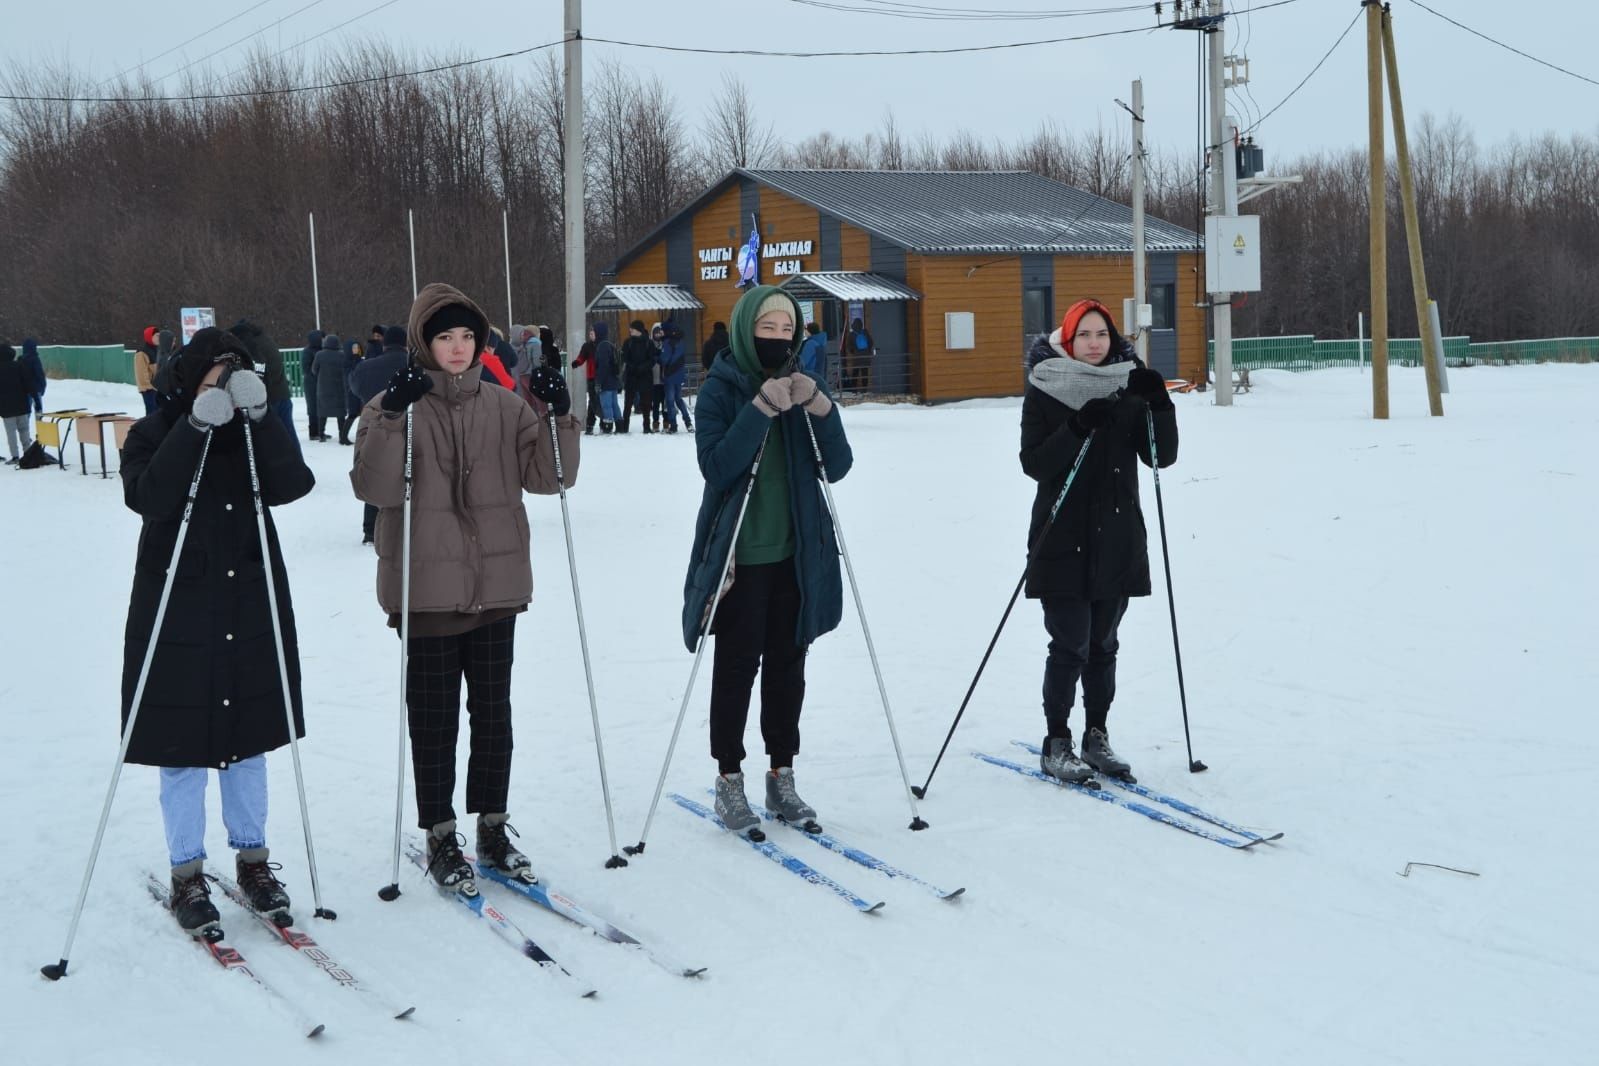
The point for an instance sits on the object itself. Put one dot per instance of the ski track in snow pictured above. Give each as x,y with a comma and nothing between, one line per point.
1387,641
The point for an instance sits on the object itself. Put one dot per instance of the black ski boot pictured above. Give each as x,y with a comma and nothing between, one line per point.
1097,753
494,848
191,903
259,883
446,865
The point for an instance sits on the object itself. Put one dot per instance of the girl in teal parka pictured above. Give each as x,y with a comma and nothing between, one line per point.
785,585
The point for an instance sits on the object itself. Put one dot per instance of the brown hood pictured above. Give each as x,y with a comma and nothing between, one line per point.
432,297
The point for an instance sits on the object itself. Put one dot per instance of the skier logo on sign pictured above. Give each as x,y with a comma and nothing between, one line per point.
749,258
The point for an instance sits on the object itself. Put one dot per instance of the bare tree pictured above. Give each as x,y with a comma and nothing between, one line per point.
732,135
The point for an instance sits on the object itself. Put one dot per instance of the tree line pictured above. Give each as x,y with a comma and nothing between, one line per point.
113,214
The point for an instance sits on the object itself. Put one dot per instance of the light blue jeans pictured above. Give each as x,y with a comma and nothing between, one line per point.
244,807
608,407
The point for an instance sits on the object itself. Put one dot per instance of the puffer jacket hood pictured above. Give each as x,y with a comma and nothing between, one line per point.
434,296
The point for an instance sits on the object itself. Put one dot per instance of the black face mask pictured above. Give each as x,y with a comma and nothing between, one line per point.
773,352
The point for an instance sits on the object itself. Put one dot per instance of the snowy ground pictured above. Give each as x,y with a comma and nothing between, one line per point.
1388,644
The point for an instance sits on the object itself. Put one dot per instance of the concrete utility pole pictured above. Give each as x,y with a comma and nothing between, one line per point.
1378,210
316,293
1431,343
410,225
576,269
1224,195
1140,287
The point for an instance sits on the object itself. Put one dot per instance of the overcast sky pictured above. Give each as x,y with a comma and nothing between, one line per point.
1001,94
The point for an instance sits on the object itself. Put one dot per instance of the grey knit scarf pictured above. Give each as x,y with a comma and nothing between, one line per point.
1074,383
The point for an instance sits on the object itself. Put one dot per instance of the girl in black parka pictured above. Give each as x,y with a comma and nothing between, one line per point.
213,697
1085,378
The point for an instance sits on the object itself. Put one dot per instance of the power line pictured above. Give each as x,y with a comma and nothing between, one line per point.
929,12
1358,13
878,52
185,44
246,37
1502,44
308,40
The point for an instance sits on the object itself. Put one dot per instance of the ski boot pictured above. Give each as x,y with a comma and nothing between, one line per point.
1098,754
260,885
1061,762
446,865
734,809
191,903
494,848
783,801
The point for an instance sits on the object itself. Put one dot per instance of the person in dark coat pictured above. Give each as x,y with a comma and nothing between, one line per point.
315,419
144,360
33,374
15,402
638,359
354,356
607,376
786,588
674,372
374,343
586,358
213,697
368,379
550,351
332,367
714,345
1086,384
855,356
267,356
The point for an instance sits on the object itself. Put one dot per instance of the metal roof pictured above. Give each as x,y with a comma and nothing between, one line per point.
849,285
1009,211
645,298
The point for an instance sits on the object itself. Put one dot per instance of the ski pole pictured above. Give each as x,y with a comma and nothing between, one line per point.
391,891
283,668
921,792
1194,765
57,970
616,859
860,609
699,646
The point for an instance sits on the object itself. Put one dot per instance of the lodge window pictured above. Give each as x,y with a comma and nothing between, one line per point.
1037,314
1163,305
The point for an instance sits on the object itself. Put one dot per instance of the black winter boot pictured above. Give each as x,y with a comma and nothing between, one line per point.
446,864
1097,753
191,903
259,882
494,848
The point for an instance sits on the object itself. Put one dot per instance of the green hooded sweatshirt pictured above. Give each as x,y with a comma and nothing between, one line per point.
767,535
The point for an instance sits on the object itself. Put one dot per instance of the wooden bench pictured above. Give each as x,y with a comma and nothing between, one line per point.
91,430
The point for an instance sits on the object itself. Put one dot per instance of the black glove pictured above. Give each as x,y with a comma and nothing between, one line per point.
409,384
1148,385
1095,414
548,385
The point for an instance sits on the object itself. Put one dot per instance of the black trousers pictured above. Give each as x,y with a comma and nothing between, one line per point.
433,702
638,398
369,520
755,633
1082,646
594,406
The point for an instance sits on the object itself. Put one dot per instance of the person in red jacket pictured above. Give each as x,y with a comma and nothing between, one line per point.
586,360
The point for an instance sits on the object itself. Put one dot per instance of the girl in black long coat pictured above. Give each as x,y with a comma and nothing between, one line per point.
1086,379
213,697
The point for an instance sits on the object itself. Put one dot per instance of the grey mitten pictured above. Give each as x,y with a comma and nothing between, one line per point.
774,398
249,393
212,408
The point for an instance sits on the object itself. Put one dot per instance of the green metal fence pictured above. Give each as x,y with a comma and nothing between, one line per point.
114,363
1304,352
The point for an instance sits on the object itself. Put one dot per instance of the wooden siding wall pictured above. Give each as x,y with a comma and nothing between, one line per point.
857,248
1109,279
711,228
993,294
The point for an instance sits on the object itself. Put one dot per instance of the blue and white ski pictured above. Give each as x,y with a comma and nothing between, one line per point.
567,907
856,855
468,896
1118,801
1170,801
793,864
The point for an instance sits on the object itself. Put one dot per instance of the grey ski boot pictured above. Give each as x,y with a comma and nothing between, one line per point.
1097,753
734,809
783,801
1061,762
446,865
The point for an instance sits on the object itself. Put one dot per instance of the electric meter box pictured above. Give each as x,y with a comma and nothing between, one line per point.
1232,253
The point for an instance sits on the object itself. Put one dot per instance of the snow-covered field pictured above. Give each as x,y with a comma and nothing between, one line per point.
1388,641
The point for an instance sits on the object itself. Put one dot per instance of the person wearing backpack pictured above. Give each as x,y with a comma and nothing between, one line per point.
857,356
33,375
15,403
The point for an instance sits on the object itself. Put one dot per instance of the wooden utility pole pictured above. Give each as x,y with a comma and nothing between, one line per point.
1407,195
1378,211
